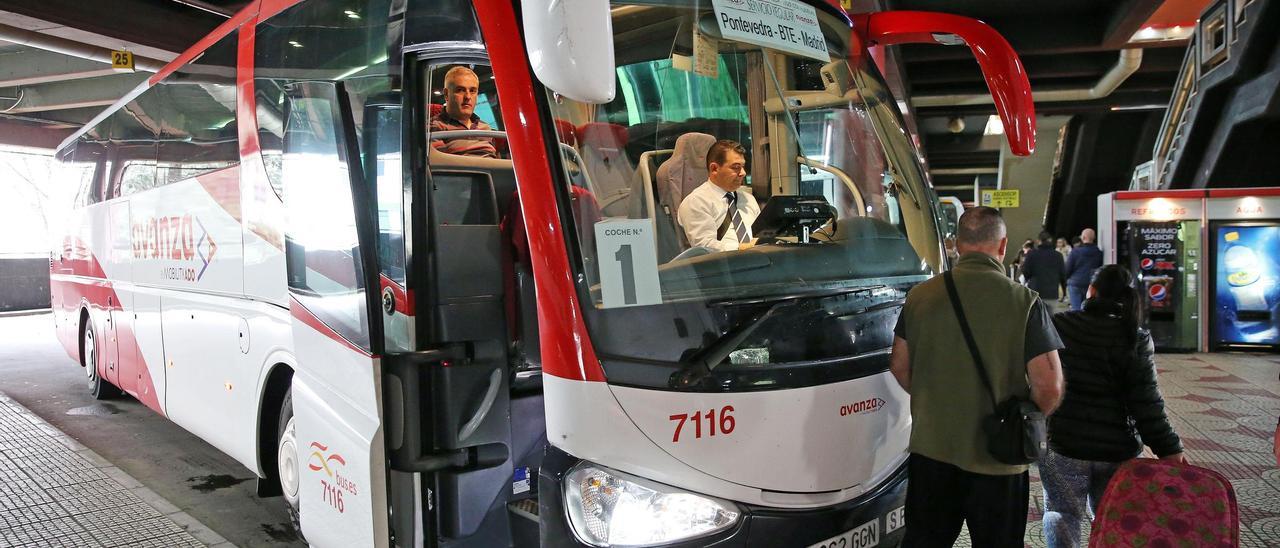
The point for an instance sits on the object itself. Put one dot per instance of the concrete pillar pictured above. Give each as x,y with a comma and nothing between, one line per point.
1031,176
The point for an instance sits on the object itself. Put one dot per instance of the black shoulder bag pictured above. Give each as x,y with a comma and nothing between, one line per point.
1016,432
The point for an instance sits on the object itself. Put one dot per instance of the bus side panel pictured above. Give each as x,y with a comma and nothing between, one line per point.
70,260
190,243
340,444
121,347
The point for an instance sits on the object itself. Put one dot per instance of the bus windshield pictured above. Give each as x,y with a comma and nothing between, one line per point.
833,215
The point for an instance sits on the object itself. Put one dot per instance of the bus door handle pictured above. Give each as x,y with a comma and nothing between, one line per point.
477,457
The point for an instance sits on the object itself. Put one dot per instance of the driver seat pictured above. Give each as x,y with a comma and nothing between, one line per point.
683,172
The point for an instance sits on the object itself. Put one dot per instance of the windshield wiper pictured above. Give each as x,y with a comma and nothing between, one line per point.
699,367
702,363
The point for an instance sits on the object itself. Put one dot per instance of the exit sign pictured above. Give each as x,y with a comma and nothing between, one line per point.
1000,198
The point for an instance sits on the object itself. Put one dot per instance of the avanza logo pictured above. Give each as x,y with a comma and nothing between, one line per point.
177,239
332,464
870,405
320,461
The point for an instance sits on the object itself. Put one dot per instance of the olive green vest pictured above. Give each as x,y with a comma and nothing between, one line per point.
948,400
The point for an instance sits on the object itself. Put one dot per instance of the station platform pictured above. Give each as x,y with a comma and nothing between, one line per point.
56,492
1224,406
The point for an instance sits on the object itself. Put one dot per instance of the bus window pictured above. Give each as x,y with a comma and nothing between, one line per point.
198,133
811,127
322,226
457,110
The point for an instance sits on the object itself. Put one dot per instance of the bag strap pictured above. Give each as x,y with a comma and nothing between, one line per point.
968,336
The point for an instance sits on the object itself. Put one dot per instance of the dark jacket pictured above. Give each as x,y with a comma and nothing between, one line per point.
1044,271
1111,396
1081,263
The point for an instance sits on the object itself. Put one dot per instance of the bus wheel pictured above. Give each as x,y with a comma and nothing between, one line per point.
287,460
99,388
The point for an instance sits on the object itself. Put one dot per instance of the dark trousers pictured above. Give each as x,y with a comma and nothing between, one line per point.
941,497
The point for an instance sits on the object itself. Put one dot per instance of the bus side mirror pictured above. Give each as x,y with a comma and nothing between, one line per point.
570,46
1006,78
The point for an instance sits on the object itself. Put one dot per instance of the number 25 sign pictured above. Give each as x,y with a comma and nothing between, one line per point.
628,263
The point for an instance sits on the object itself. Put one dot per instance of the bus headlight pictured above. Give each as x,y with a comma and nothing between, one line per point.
607,508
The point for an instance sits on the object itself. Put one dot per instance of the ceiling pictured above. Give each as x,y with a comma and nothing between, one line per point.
54,54
1064,45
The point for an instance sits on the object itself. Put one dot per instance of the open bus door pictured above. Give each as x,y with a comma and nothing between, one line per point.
334,420
449,402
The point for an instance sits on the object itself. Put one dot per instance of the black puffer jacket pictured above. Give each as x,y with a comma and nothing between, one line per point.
1111,397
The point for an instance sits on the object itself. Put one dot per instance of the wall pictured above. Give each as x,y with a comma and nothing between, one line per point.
1031,176
24,283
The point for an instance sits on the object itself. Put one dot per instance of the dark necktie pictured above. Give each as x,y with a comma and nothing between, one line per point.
732,218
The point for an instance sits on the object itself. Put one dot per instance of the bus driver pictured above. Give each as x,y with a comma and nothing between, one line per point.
462,87
718,214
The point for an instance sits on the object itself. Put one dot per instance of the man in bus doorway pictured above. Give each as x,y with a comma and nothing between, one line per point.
462,89
951,477
718,214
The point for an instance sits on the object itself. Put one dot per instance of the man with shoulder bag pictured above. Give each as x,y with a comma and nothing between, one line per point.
979,355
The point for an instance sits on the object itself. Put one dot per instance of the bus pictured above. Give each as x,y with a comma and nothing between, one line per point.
417,348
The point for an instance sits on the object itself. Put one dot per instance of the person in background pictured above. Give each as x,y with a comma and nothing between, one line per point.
1075,242
1111,408
1018,260
1081,263
1065,249
952,478
462,89
1043,268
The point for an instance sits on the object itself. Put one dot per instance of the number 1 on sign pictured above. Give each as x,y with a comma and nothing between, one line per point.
628,273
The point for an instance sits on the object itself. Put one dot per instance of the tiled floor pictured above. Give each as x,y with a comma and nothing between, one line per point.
55,492
1224,406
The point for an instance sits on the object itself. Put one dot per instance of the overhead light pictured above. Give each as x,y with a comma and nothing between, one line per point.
955,124
1154,33
352,14
994,126
295,43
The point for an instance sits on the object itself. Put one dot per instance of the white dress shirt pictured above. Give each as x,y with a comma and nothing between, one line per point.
703,211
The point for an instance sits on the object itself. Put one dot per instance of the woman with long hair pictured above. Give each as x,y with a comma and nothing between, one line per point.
1112,404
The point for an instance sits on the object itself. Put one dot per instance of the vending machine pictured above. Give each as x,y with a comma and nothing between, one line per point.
1211,253
1165,258
1245,271
1156,234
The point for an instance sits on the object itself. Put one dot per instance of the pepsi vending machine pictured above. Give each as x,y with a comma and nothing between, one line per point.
1165,256
1245,314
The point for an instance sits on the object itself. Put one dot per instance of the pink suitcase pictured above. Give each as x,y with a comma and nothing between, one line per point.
1156,504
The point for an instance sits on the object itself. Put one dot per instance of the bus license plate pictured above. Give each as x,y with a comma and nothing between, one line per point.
862,536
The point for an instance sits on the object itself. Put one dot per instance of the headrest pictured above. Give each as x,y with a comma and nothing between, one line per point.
567,132
692,149
435,109
685,170
603,135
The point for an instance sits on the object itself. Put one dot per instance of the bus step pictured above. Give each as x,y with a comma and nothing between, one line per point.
527,508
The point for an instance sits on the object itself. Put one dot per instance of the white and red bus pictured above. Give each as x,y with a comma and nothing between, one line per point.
267,249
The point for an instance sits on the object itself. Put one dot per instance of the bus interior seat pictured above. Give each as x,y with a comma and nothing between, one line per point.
567,132
471,194
612,172
679,175
638,203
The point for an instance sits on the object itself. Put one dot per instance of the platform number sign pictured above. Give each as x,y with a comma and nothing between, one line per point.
122,60
628,263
